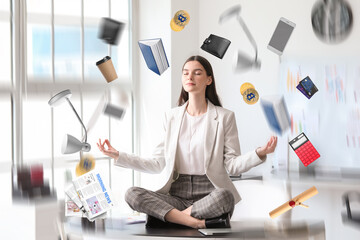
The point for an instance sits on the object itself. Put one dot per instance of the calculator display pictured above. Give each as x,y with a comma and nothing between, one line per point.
298,141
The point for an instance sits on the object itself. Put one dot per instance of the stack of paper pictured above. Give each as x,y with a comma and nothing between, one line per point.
88,196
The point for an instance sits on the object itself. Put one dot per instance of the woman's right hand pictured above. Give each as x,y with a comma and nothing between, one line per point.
110,151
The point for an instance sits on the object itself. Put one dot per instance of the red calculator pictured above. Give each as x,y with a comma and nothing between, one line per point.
304,149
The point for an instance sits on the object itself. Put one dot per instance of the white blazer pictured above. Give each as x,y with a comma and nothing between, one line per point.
221,146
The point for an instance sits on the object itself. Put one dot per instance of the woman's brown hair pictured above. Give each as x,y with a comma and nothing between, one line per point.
210,92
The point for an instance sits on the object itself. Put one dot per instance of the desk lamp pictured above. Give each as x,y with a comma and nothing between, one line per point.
70,144
242,61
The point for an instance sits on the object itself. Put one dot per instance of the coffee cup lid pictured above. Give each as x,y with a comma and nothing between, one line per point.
103,60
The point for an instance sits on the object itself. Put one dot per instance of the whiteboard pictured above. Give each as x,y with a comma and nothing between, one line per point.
331,118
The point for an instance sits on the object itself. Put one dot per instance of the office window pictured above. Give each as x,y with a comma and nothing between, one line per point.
39,40
5,45
39,52
5,129
62,48
5,85
94,48
37,130
121,9
99,129
67,40
66,122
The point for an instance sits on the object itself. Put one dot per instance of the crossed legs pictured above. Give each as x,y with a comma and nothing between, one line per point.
176,210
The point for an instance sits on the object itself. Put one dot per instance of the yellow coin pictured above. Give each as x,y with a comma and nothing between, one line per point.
251,96
245,86
175,27
181,18
86,164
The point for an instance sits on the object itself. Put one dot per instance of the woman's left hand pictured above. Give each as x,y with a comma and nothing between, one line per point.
269,147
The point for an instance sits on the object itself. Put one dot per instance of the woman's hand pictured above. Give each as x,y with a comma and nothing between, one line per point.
111,152
269,147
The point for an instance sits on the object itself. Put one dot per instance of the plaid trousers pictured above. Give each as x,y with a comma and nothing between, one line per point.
197,190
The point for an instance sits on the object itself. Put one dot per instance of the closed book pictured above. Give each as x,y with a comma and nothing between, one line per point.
276,113
154,54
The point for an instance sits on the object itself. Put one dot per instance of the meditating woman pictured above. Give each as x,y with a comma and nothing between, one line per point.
199,151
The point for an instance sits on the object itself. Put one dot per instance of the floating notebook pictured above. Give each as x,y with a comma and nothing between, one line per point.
307,87
154,55
276,113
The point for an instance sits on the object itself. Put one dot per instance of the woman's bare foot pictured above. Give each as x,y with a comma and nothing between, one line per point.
201,224
180,217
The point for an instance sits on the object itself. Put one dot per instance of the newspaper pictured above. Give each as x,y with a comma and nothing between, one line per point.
88,196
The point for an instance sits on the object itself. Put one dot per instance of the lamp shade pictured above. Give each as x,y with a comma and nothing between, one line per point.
243,62
59,98
72,145
229,13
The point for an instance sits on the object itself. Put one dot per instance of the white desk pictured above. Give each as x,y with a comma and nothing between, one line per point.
113,229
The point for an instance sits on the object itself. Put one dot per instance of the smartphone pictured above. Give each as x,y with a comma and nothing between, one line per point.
281,36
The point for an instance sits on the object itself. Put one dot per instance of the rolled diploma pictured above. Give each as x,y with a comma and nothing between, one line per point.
298,199
280,210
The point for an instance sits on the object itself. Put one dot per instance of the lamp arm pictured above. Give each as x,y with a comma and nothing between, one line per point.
78,118
248,34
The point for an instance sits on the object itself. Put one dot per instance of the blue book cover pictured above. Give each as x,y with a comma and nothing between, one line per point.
271,116
154,54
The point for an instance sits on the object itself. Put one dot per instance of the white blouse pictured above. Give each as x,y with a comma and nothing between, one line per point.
190,152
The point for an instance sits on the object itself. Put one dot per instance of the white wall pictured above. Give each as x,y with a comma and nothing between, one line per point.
261,17
180,45
157,94
152,93
183,44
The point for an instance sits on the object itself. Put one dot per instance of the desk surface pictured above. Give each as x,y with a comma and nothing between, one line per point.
114,228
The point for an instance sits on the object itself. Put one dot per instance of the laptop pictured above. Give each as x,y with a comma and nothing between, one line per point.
215,231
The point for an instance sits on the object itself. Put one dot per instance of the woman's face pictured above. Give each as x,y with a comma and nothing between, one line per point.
195,78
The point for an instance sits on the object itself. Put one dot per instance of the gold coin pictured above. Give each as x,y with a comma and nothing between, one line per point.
245,86
86,164
251,96
181,18
175,27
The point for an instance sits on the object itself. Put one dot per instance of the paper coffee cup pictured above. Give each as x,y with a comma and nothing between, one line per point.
107,69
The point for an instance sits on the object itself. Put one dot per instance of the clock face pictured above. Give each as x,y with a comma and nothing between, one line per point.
331,20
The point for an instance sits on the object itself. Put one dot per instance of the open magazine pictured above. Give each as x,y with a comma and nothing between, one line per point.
88,196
